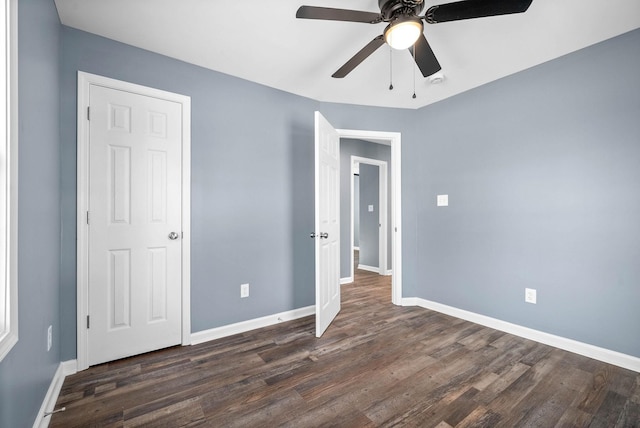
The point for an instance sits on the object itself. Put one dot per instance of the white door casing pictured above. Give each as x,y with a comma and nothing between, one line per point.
327,223
133,290
393,139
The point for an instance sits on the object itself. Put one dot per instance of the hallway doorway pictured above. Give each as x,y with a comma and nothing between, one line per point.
393,140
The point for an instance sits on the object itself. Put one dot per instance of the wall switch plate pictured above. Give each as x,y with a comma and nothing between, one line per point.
442,200
49,338
370,208
530,295
244,290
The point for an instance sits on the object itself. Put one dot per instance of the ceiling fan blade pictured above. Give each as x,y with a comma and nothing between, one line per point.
424,57
328,13
474,9
370,48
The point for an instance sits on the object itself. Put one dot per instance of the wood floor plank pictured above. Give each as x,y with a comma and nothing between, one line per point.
629,416
177,414
378,365
573,418
497,387
480,417
610,411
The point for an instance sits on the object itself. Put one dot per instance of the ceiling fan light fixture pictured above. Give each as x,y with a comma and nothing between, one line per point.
403,32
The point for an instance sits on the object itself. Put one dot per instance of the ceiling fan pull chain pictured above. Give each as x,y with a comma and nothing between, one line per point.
390,68
414,74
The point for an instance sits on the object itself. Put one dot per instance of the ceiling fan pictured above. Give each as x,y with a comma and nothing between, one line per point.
405,27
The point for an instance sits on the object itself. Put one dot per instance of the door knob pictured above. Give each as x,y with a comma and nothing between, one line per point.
173,236
312,235
324,235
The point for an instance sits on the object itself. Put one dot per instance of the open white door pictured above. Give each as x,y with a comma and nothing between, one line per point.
327,222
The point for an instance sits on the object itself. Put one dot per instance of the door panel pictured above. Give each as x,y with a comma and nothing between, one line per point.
157,284
134,204
327,223
119,284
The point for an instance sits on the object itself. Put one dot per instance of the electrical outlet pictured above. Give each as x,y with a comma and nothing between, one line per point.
49,338
530,295
442,200
244,290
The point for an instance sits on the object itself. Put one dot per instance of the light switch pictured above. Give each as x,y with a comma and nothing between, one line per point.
370,208
442,200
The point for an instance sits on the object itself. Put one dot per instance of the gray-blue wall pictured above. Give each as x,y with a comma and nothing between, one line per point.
369,220
351,147
251,183
26,372
523,160
542,169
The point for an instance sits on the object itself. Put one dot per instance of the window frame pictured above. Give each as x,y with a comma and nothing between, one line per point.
9,178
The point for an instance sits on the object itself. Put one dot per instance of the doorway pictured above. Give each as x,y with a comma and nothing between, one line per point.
392,139
327,215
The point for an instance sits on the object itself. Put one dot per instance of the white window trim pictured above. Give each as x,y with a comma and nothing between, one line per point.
9,180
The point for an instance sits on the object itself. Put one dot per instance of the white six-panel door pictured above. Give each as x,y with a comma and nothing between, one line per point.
134,224
327,223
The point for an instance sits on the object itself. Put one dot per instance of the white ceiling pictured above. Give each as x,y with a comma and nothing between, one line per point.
262,41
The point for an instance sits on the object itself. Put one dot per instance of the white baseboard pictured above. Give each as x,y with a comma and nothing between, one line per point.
389,272
597,353
369,268
65,369
347,280
244,326
356,248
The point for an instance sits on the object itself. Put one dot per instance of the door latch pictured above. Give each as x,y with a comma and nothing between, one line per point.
322,235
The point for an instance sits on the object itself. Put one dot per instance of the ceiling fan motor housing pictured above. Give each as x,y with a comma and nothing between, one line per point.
390,9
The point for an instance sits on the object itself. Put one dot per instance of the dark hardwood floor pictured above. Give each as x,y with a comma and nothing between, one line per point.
378,365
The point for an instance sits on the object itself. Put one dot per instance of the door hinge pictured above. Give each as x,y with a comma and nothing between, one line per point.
88,322
87,217
88,113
